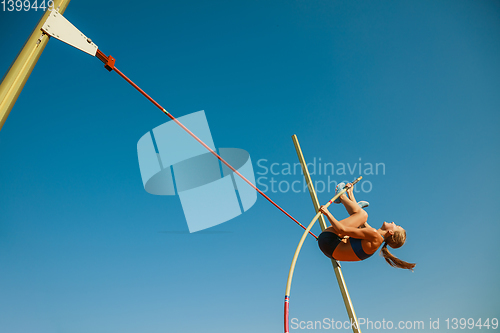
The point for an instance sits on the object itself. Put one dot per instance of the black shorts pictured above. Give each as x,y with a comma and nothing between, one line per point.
328,242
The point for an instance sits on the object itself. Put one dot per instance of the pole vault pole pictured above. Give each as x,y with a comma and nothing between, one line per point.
297,251
336,266
21,68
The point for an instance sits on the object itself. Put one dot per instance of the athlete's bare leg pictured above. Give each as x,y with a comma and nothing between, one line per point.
349,201
355,220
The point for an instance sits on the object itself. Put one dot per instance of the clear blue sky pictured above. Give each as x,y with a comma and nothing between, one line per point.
414,85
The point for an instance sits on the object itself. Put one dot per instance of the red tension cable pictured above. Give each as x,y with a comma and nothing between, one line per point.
109,64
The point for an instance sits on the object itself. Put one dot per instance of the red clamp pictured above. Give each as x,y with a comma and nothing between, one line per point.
110,63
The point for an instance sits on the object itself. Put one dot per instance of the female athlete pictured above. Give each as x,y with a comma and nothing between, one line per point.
352,239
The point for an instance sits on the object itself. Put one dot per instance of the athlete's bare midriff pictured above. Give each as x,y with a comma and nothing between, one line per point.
344,251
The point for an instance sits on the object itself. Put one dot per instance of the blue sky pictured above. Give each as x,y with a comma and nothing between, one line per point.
412,85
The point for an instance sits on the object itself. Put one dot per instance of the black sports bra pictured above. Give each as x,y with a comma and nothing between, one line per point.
358,249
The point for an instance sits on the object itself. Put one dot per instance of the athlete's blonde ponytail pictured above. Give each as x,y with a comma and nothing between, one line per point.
395,240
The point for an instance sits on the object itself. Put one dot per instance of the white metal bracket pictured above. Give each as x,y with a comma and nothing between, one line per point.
59,27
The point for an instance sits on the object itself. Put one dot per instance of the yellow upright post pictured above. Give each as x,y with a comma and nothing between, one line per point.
21,68
336,266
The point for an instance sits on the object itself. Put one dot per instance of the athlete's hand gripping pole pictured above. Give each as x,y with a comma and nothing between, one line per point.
299,247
